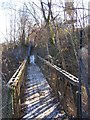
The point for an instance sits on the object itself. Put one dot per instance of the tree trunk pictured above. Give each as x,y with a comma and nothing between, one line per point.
89,70
89,80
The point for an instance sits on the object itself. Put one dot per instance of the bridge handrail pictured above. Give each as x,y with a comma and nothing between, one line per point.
14,79
16,84
15,88
72,79
63,84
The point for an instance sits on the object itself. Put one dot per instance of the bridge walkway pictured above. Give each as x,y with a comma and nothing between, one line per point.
40,102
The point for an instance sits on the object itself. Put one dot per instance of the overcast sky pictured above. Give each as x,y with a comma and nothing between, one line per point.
5,14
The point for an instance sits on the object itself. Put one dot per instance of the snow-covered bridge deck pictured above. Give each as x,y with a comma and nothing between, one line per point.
40,102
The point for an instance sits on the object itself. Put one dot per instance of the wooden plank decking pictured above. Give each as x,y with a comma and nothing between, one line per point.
39,102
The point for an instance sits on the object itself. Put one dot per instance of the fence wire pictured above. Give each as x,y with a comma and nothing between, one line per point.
6,107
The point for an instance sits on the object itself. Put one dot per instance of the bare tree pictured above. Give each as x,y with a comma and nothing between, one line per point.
22,26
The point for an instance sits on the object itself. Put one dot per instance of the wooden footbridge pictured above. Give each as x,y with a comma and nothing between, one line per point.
41,91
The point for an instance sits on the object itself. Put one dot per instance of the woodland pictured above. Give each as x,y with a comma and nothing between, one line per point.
55,30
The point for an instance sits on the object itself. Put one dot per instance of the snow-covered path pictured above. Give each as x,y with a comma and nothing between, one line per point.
39,103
